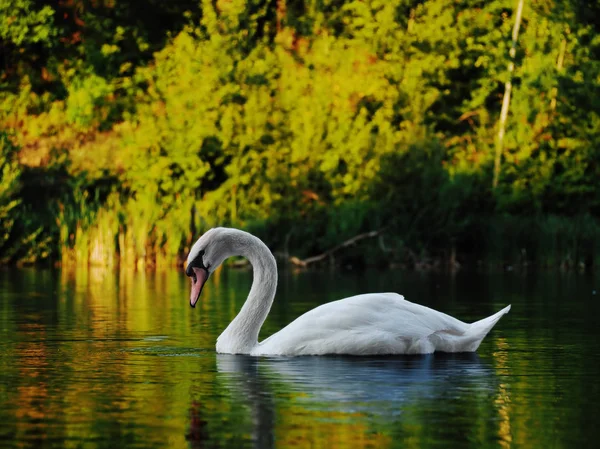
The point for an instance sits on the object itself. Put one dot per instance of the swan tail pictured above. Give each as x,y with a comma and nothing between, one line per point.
479,329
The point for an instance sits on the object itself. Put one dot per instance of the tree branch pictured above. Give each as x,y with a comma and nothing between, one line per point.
305,262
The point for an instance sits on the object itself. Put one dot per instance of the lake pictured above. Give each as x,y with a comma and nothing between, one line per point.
101,359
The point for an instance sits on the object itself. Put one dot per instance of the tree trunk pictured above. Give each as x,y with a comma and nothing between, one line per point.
280,14
559,66
507,92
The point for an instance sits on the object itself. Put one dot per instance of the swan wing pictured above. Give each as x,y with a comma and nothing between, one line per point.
376,323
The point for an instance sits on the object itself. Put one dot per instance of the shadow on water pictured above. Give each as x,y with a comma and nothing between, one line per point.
356,379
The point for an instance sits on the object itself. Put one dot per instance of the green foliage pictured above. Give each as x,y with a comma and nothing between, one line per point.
21,23
427,206
86,98
309,122
9,175
548,240
21,240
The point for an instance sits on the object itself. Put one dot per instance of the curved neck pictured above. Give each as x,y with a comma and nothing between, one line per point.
241,336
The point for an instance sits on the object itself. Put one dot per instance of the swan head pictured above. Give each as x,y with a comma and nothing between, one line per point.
209,251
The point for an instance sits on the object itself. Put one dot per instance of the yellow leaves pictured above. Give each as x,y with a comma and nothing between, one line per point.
285,38
324,99
568,143
125,67
226,124
108,50
86,102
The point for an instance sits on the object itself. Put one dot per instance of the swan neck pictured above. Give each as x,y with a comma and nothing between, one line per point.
241,336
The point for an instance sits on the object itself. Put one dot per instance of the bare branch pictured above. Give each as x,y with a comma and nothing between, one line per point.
305,262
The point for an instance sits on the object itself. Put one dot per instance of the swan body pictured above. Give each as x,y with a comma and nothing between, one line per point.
375,324
368,324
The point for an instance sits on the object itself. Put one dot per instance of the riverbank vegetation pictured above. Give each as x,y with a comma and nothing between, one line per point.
125,132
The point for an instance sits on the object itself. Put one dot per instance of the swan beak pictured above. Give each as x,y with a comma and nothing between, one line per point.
198,277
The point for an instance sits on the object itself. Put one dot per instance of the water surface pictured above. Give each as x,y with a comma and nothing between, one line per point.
96,359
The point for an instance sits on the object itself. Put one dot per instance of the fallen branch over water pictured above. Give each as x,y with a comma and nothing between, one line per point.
366,235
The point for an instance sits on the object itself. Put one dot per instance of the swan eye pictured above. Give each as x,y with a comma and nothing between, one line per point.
205,265
197,262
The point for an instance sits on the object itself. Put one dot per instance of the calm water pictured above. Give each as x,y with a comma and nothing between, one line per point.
96,359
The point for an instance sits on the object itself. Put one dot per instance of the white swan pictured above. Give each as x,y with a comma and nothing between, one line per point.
375,323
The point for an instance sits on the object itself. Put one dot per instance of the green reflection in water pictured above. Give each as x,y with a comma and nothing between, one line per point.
98,359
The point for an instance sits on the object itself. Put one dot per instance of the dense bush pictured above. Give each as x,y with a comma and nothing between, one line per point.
309,123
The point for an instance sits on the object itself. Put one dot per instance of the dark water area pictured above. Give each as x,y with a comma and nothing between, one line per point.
98,359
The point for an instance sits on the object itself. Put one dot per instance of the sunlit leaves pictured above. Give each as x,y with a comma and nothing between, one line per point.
22,23
238,112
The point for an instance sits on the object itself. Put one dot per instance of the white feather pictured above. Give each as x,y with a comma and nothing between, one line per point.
375,323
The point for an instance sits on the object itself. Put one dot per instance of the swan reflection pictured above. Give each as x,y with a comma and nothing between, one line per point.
347,391
340,401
